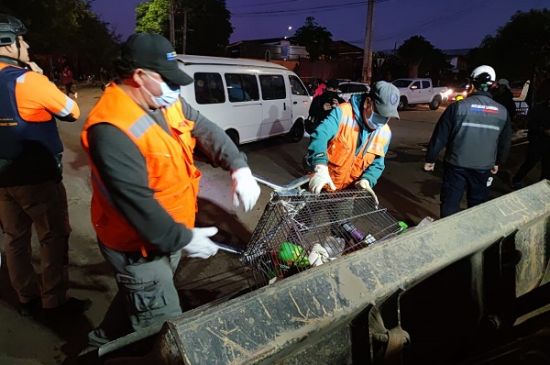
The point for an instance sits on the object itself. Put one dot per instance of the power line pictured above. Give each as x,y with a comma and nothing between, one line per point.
321,8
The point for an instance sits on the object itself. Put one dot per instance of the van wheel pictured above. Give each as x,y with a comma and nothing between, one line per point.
233,135
435,103
296,132
402,103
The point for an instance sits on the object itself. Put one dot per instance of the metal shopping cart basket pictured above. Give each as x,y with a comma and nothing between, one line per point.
299,230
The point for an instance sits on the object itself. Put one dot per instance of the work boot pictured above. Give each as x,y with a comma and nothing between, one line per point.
29,308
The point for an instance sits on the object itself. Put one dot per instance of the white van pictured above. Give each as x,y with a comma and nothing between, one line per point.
249,99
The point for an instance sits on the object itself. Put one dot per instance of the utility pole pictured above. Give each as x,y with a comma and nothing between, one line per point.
185,31
367,51
171,17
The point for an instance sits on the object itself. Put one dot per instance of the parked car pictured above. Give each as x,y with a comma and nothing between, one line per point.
458,92
347,88
249,99
420,91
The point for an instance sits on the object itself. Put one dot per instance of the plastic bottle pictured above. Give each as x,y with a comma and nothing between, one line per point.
353,233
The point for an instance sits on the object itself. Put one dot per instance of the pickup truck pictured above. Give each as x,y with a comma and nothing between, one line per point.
420,91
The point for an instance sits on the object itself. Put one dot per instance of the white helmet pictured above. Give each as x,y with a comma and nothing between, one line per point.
483,77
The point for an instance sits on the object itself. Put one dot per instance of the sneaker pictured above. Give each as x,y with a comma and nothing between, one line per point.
29,308
97,338
72,305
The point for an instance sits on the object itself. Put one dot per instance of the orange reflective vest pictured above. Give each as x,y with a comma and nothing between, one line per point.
344,165
170,168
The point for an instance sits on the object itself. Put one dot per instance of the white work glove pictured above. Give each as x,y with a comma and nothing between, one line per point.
319,179
429,166
201,246
246,190
365,185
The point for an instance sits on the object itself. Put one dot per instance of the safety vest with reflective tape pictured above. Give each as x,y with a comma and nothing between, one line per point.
344,164
171,172
14,130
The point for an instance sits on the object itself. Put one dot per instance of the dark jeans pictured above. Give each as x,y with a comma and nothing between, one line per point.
455,180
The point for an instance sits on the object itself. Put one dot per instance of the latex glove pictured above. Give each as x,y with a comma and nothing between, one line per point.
246,190
201,246
365,185
429,166
319,179
494,170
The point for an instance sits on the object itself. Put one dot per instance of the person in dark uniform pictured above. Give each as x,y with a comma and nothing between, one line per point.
539,137
322,105
476,133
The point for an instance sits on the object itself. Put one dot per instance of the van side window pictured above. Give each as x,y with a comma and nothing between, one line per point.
296,86
242,87
208,88
273,87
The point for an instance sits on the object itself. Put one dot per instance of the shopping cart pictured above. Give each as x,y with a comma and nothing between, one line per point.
298,229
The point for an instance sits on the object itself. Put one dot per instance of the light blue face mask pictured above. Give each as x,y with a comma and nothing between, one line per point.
376,121
168,97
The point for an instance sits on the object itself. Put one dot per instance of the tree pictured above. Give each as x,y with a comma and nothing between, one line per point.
65,29
208,24
421,57
314,37
520,48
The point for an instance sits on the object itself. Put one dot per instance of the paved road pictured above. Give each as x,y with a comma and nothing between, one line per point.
405,189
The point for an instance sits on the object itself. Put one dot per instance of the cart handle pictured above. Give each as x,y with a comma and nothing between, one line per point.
294,184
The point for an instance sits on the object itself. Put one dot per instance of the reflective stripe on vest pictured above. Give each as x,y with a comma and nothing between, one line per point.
13,129
171,172
346,164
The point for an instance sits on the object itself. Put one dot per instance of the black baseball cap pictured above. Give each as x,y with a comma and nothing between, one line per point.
154,52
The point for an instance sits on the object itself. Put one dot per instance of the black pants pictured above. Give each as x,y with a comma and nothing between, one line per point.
455,181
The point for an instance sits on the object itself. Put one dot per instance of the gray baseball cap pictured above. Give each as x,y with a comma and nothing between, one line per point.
386,99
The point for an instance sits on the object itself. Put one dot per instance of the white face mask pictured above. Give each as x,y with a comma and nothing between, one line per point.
168,97
376,121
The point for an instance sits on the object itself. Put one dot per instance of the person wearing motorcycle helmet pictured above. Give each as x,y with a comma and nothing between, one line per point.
31,188
476,134
13,48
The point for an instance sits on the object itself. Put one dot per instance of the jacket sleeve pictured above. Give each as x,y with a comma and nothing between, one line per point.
441,133
504,142
213,141
49,98
122,169
320,138
375,169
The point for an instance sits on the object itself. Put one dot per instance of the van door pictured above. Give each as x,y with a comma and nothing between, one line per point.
246,107
276,111
300,98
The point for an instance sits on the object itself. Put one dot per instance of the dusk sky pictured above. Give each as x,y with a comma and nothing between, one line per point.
445,23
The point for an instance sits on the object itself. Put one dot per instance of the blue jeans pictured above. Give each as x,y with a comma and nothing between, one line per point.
455,181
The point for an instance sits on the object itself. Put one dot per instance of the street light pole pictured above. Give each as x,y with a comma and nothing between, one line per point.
367,51
184,31
171,17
